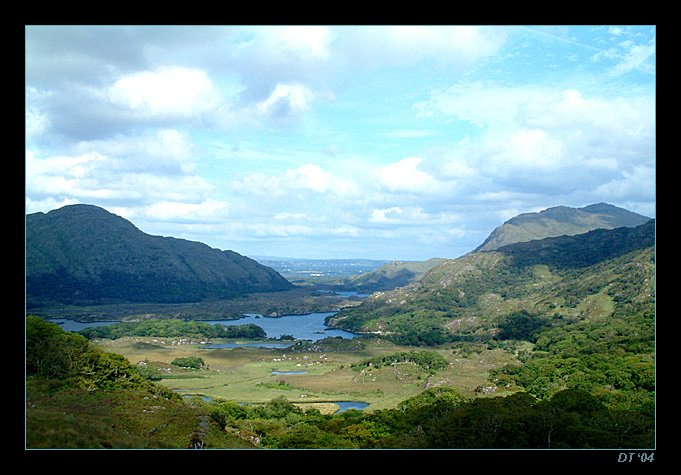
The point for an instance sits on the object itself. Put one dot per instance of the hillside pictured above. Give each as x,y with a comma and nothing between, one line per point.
560,221
389,276
82,254
574,277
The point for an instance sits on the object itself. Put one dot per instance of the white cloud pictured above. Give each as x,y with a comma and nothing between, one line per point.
533,149
307,178
456,46
310,177
209,209
290,215
482,104
379,215
405,176
305,40
633,185
112,173
169,92
536,138
37,121
165,151
414,216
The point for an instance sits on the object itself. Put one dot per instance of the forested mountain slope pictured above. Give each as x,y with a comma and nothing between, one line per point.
83,254
558,280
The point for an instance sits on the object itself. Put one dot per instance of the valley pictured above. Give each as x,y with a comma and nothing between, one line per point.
309,379
531,330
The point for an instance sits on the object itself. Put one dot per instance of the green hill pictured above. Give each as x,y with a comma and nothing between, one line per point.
80,397
82,254
577,311
574,277
560,221
389,276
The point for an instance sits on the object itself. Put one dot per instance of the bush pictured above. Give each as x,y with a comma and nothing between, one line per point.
193,362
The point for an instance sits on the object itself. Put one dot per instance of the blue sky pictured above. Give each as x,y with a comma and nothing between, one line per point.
380,142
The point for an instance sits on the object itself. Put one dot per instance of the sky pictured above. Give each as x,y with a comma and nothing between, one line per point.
391,142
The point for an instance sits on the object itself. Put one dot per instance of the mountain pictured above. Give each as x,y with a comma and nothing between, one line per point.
83,254
560,280
560,221
389,276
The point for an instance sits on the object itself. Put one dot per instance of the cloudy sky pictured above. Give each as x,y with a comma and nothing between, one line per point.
383,142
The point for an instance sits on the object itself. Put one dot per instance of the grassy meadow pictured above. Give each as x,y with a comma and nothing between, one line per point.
245,374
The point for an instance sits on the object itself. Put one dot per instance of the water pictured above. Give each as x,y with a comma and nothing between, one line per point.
74,326
300,327
343,293
345,405
260,344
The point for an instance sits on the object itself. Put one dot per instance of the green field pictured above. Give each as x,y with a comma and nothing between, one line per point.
245,374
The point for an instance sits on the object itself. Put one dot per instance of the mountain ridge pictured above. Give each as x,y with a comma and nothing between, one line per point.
465,298
84,254
560,221
389,276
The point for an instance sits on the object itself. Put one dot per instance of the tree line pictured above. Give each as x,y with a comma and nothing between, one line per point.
442,418
174,328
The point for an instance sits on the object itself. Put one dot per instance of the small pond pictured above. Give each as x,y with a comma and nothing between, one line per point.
345,405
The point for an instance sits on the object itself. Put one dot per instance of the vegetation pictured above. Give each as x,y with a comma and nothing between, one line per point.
54,354
586,324
517,293
78,396
192,362
560,221
173,328
441,418
546,344
81,397
388,276
82,254
425,359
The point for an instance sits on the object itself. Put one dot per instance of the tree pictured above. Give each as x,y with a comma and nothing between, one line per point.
193,362
50,351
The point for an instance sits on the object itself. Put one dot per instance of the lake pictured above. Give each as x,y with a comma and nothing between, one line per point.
74,326
302,327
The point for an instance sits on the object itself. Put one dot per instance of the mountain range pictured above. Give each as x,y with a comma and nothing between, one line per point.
526,227
565,279
83,254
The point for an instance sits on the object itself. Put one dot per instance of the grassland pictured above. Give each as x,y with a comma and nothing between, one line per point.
246,374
